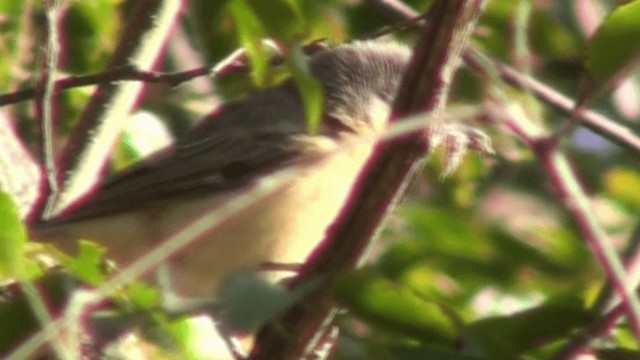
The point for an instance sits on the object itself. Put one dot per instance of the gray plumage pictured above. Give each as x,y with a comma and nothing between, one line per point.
258,134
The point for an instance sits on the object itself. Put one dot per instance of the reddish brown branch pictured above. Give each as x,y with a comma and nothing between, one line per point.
393,164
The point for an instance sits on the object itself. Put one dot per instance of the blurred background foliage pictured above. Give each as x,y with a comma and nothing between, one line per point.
484,264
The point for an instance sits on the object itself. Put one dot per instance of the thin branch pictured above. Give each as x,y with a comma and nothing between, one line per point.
44,110
608,302
107,76
88,147
576,203
381,183
598,123
235,62
631,255
481,63
44,107
393,9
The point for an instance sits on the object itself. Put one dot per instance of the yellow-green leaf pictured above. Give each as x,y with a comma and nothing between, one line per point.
88,265
622,184
615,48
395,307
13,238
310,89
251,33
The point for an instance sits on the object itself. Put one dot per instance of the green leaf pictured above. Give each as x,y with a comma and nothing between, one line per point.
145,134
310,89
196,338
614,50
13,239
622,185
251,33
91,31
280,19
397,308
88,265
508,337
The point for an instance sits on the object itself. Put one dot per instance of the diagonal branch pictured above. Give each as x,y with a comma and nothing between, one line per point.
595,121
576,203
382,182
86,152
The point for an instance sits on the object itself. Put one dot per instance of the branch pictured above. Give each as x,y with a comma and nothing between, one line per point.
235,62
424,88
607,302
564,180
129,73
46,85
599,123
86,151
44,110
566,185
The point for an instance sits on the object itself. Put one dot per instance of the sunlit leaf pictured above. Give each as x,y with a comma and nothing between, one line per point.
309,88
89,263
251,32
13,238
622,184
395,307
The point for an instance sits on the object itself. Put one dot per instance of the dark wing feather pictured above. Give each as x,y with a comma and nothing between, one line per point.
228,149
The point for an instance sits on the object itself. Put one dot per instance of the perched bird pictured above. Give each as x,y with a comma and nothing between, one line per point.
242,143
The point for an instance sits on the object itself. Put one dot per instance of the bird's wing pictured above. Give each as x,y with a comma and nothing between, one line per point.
228,150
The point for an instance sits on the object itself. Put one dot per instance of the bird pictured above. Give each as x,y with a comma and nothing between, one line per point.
239,144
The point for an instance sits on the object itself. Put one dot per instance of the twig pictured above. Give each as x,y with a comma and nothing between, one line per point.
107,76
631,256
44,107
86,151
599,123
44,110
608,302
235,62
576,203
